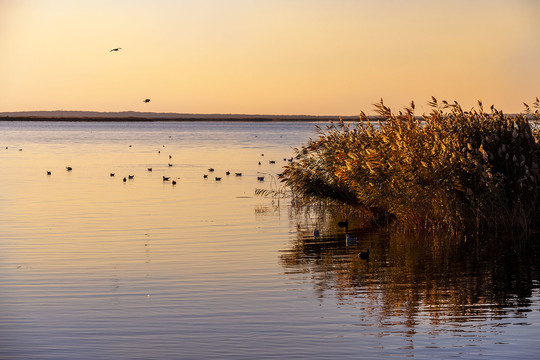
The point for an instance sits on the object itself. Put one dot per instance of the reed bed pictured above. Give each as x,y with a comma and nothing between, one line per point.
472,171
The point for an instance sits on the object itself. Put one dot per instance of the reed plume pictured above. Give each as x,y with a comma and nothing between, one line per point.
454,169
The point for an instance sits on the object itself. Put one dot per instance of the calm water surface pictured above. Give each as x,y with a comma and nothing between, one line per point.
96,268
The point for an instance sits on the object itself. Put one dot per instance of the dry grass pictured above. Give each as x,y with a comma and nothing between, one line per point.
453,169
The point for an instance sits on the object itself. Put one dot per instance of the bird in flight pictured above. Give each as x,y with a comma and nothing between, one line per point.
115,49
146,100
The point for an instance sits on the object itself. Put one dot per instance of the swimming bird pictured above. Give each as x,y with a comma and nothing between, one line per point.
166,178
344,224
238,174
48,173
218,178
364,255
205,176
131,176
111,174
259,163
146,100
272,162
227,173
174,182
149,169
260,178
210,169
115,49
124,179
170,164
69,168
170,157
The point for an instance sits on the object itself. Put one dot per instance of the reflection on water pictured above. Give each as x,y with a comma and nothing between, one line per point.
92,267
419,277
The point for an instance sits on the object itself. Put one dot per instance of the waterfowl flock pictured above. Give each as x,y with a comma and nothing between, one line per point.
169,165
220,177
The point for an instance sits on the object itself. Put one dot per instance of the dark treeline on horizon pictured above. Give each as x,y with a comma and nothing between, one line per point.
151,116
201,119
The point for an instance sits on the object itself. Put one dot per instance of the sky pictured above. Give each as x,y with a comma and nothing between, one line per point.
312,57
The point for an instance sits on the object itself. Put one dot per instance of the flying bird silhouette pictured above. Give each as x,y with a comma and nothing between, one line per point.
115,49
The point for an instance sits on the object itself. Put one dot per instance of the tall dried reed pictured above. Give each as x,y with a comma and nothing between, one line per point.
449,169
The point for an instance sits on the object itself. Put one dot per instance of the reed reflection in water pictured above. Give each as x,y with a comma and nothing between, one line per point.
415,283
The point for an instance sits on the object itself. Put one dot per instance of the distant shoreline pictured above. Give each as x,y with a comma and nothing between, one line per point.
201,118
138,116
180,119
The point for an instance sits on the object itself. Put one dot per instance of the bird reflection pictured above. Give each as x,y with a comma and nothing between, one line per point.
349,240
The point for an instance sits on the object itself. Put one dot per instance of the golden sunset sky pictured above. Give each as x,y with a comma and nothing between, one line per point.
317,57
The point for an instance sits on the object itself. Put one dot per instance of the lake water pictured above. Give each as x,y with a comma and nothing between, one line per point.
92,267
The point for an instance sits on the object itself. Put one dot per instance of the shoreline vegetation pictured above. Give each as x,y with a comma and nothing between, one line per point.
466,172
